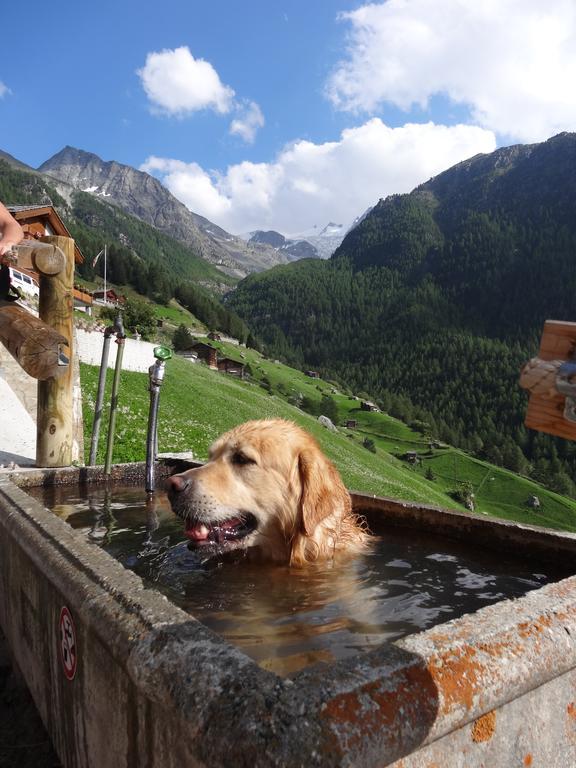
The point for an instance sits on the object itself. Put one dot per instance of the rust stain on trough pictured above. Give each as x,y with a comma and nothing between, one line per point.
484,727
534,628
458,677
570,725
407,701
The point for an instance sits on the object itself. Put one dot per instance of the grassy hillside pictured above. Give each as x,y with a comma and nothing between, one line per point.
197,404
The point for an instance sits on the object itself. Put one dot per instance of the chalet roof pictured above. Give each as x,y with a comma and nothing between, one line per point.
231,360
19,208
28,213
203,344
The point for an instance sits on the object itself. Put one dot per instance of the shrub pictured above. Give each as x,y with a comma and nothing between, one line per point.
368,443
182,338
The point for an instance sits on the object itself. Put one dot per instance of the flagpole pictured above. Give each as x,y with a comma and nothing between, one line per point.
105,301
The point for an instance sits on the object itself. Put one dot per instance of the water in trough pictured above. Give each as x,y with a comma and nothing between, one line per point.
287,618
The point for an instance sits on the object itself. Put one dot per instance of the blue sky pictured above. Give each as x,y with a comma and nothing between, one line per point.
285,115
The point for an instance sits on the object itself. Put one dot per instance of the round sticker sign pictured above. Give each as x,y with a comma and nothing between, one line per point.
68,650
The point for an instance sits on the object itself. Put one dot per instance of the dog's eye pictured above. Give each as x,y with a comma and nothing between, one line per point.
241,459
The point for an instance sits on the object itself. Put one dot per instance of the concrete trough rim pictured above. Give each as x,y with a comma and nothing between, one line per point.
369,710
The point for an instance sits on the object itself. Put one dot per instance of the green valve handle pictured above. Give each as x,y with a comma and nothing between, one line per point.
162,353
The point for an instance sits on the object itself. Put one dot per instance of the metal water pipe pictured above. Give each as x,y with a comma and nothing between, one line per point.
117,328
156,376
120,340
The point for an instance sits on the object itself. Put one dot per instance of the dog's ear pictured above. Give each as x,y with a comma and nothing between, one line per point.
323,491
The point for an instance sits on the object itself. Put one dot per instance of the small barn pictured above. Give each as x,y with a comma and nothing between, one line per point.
206,353
351,423
367,405
312,374
233,367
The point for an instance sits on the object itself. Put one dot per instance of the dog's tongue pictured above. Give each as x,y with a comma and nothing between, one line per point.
198,532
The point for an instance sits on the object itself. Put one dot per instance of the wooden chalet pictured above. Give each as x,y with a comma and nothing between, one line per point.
233,367
40,220
206,353
351,423
111,297
312,374
366,405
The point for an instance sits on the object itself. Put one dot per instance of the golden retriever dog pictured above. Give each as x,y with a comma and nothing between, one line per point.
268,489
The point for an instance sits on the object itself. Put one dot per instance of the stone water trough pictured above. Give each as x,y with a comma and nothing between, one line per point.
121,677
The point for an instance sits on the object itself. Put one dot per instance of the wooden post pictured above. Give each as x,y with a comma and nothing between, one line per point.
55,424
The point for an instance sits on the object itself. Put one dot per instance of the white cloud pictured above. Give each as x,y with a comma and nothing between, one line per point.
249,120
4,90
192,185
513,62
311,184
176,83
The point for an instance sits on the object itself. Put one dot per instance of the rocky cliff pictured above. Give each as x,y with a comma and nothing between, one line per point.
143,196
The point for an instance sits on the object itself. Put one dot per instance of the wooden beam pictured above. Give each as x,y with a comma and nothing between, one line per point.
40,257
33,344
48,260
55,422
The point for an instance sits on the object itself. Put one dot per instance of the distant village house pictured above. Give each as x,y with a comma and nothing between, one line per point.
366,405
110,297
234,368
206,353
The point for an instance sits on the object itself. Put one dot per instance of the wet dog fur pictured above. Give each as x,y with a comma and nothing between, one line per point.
268,490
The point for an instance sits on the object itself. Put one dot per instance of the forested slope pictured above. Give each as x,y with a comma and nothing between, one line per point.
437,298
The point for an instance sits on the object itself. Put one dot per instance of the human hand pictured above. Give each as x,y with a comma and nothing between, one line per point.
6,247
12,232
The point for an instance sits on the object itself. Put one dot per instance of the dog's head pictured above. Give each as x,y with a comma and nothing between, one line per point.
266,488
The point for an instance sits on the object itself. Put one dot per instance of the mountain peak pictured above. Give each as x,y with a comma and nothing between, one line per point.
144,196
68,155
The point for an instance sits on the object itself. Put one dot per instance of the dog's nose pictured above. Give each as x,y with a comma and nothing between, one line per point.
177,483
